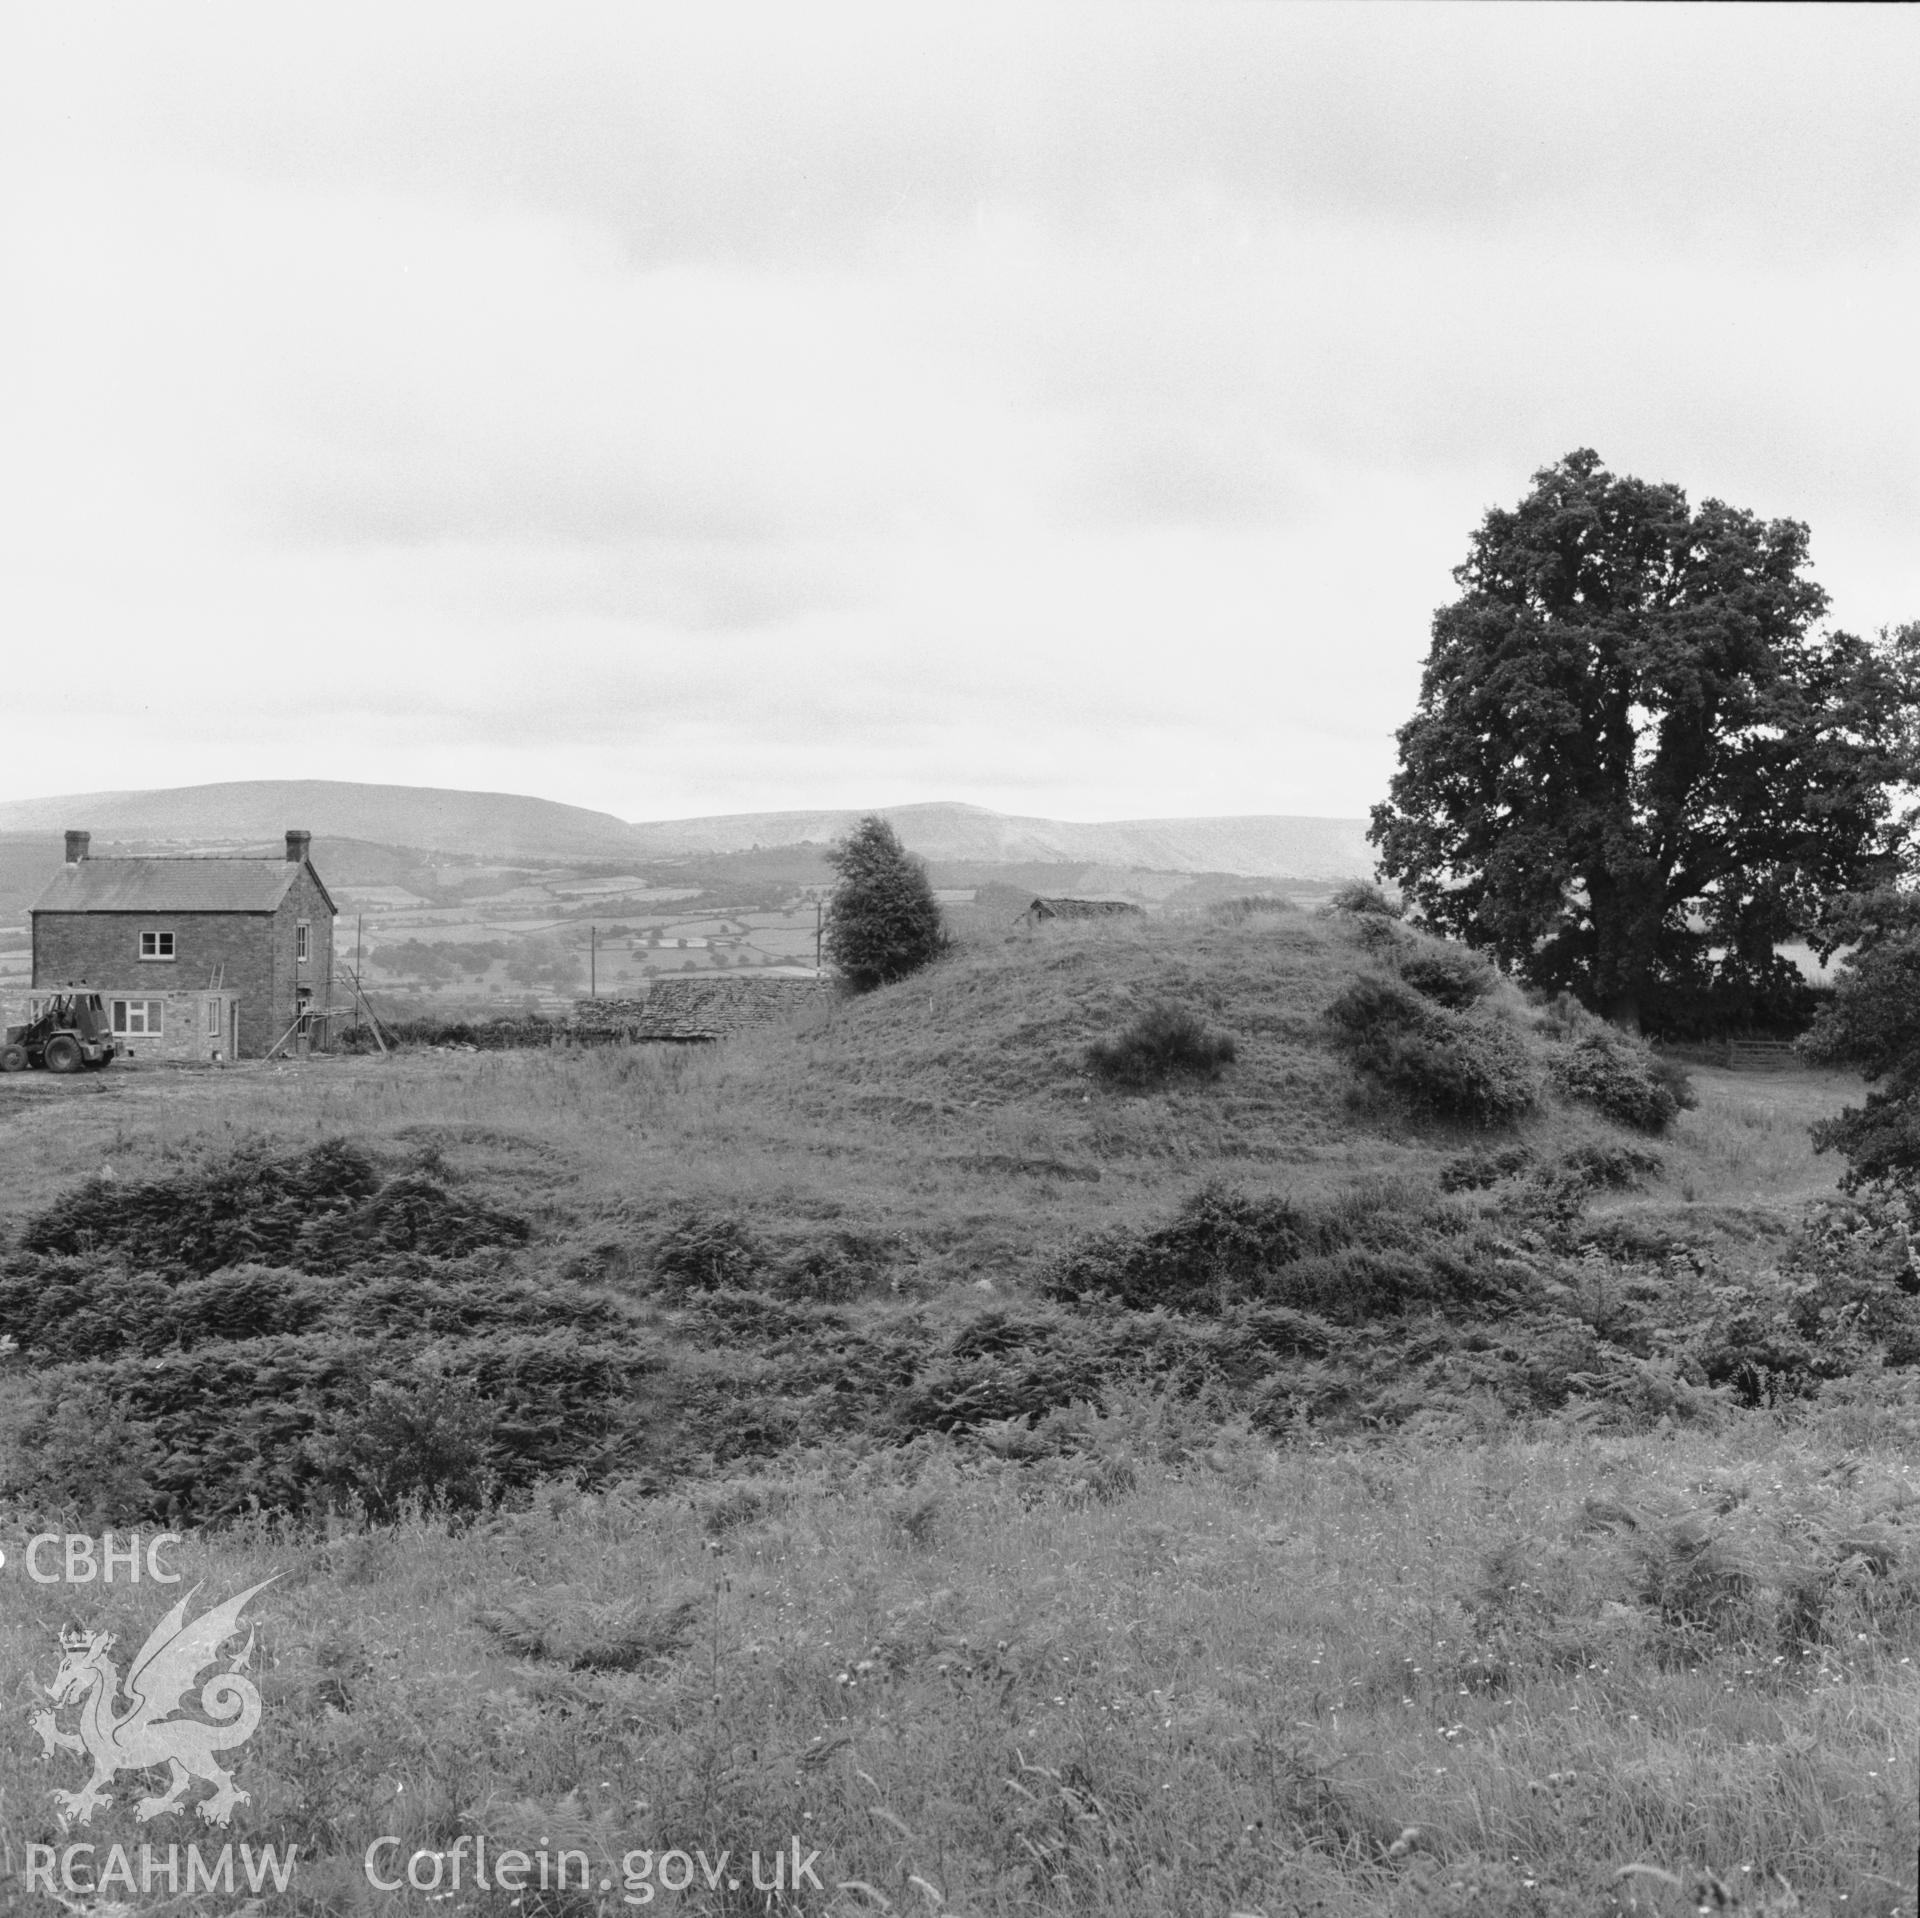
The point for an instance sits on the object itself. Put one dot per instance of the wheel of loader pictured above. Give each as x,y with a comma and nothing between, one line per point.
100,1064
63,1053
13,1058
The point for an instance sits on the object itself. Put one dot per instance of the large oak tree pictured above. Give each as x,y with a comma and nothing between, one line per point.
1640,762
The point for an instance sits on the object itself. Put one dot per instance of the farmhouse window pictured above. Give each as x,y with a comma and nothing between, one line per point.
137,1018
156,945
300,942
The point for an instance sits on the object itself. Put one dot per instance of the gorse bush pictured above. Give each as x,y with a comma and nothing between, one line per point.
249,1334
1620,1076
1481,1171
322,1210
69,1309
883,921
1364,899
91,1459
1164,1043
1452,1065
1233,912
1845,1300
425,1440
707,1252
1351,1260
1449,975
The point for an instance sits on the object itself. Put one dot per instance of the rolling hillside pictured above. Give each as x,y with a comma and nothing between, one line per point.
488,825
1277,846
512,827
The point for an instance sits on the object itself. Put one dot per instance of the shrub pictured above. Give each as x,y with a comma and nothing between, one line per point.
63,1311
1164,1043
1619,1076
831,1268
1346,1261
883,922
1471,1066
480,1035
1872,1023
89,1459
321,1210
1232,912
423,1440
1364,899
1480,1171
1449,975
708,1252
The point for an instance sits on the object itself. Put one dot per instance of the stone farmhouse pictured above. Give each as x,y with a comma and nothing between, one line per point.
207,959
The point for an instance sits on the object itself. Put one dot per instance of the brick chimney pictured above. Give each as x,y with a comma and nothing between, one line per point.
77,844
297,844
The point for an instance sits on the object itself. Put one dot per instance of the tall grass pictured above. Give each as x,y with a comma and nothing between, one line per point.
1180,1672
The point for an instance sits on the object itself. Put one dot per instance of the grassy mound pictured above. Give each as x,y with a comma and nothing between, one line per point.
1279,1490
928,1214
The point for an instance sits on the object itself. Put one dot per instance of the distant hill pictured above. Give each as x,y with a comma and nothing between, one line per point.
511,827
488,825
1270,845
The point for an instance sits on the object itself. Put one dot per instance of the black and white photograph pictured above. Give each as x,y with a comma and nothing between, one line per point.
960,960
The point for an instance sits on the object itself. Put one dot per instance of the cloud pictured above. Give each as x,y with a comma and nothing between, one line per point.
669,408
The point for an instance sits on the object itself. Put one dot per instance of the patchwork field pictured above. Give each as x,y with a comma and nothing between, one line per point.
886,1443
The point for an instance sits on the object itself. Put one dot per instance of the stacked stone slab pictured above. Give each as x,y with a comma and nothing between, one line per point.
698,1011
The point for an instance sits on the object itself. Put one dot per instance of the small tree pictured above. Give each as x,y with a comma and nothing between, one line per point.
1872,1023
883,921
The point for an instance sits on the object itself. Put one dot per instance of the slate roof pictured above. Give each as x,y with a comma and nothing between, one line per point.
698,1009
172,885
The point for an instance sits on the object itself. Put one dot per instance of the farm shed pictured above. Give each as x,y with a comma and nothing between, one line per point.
162,938
696,1011
1044,909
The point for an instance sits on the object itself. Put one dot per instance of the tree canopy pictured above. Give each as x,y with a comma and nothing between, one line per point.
1639,762
883,921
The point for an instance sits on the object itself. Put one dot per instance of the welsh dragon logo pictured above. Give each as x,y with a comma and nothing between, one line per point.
143,1736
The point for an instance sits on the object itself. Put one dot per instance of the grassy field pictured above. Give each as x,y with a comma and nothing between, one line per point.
988,1595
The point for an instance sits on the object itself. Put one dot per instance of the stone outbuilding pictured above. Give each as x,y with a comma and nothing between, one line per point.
179,946
1043,910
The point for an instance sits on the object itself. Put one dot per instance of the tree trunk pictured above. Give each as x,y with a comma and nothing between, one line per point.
1627,908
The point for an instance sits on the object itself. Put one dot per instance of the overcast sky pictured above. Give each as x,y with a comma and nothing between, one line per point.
1073,410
